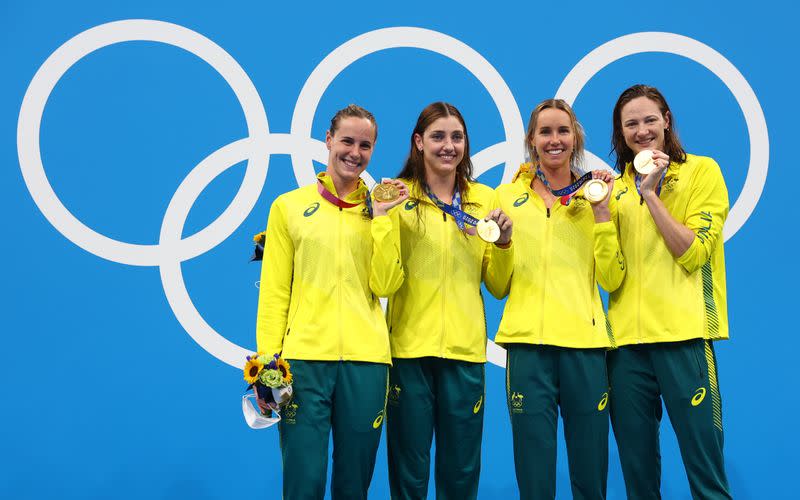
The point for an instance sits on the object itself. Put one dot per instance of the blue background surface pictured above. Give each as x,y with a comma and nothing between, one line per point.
103,393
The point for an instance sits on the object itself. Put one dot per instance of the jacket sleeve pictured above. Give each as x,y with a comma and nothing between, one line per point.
498,264
386,267
275,289
705,215
608,258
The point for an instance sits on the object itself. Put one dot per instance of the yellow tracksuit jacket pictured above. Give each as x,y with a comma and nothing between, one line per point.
322,272
664,298
561,254
438,311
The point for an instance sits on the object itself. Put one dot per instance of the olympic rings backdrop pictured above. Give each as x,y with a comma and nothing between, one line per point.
142,145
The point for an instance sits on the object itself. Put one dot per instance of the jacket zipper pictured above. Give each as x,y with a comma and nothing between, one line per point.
639,266
546,245
444,281
339,286
593,289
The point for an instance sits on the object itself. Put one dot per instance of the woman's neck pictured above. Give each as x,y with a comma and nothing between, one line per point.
559,177
443,186
343,188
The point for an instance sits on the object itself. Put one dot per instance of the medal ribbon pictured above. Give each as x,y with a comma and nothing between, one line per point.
637,179
454,210
323,191
565,194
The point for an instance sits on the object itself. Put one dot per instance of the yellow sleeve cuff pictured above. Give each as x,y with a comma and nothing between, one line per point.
693,257
604,229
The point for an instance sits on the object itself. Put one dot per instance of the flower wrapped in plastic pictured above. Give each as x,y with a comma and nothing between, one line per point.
258,252
271,378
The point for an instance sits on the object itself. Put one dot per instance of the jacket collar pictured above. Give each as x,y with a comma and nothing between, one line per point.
357,196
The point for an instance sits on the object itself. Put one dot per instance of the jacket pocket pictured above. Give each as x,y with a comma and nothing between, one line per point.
293,314
698,348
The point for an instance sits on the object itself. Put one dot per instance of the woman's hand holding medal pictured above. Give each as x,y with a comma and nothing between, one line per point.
598,192
651,165
496,228
388,194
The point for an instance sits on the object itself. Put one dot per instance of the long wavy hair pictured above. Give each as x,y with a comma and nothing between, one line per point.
414,168
672,143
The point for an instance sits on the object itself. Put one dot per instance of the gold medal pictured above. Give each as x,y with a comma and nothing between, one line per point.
595,191
488,230
385,193
643,162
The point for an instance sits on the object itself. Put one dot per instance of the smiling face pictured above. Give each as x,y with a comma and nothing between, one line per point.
553,138
643,124
349,150
442,145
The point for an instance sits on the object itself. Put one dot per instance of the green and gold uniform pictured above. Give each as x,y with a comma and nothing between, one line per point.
556,335
323,270
437,331
665,316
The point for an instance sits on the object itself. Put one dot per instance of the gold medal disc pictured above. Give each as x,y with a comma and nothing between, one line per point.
488,230
643,162
385,192
595,191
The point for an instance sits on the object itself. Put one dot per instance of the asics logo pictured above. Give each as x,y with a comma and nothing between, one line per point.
603,402
477,407
521,200
620,260
699,396
378,420
311,209
410,204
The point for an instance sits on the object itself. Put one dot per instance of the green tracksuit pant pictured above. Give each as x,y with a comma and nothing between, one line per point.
540,379
438,396
684,374
346,397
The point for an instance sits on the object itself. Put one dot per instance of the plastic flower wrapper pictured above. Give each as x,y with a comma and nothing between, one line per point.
270,377
265,393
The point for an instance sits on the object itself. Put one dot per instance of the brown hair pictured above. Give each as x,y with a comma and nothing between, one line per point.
580,138
414,168
672,144
353,111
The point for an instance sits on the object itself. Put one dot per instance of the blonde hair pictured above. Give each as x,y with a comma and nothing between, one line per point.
576,159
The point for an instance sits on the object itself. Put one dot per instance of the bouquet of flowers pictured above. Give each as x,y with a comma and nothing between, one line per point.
271,378
259,240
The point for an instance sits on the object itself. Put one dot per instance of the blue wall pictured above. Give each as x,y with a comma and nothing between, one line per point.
117,382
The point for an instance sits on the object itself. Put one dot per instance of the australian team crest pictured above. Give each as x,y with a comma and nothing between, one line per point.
517,399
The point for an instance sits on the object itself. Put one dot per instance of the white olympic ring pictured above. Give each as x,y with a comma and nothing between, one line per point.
172,249
701,53
334,63
30,160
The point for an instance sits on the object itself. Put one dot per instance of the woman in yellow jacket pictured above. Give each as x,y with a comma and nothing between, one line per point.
329,254
672,304
553,326
436,318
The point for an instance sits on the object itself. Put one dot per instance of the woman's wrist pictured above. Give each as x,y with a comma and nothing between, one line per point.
601,213
649,196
